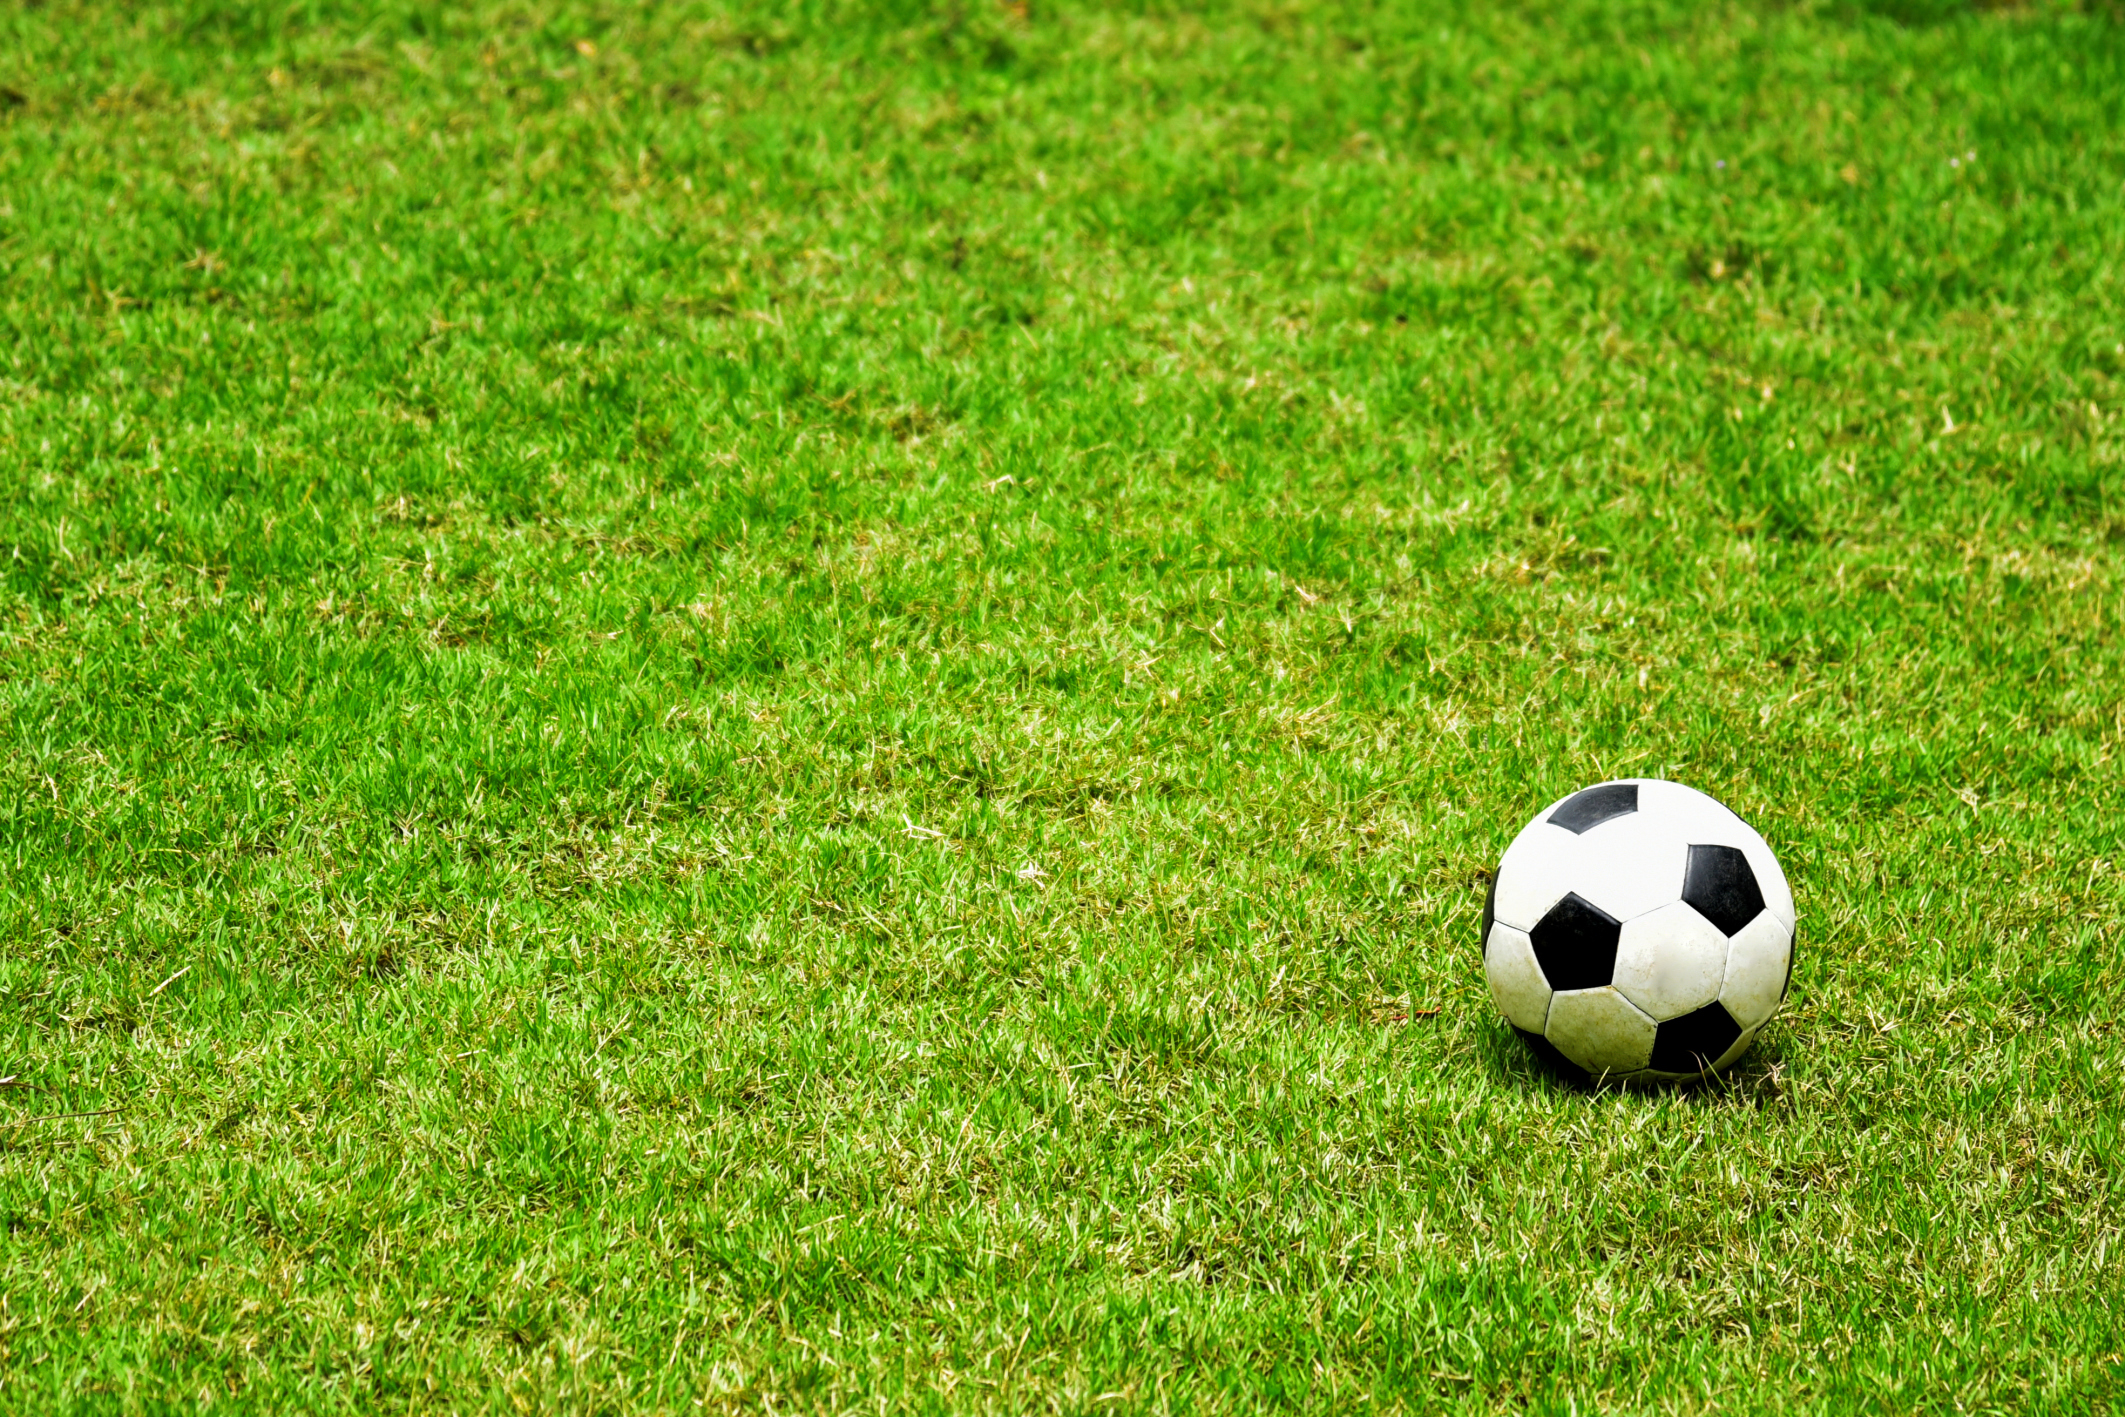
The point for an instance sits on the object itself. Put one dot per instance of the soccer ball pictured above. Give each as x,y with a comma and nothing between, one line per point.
1638,931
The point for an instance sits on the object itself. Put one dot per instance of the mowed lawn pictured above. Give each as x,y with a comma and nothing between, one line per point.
786,707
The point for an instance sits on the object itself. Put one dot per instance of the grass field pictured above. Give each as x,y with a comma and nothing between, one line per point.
796,707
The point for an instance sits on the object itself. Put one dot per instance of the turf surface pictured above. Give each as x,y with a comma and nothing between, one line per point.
793,706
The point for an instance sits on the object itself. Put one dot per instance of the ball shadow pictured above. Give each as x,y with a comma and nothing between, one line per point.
1517,1058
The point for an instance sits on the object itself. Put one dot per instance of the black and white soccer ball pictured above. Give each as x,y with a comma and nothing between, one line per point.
1638,931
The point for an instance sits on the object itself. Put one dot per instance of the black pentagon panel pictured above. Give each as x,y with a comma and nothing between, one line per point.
1576,944
1490,914
1722,887
1792,953
1585,810
1552,1060
1692,1043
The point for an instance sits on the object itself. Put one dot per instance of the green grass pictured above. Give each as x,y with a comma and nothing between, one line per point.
790,707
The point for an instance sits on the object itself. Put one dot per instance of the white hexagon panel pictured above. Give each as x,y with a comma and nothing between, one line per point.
1516,982
1670,960
1601,1031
